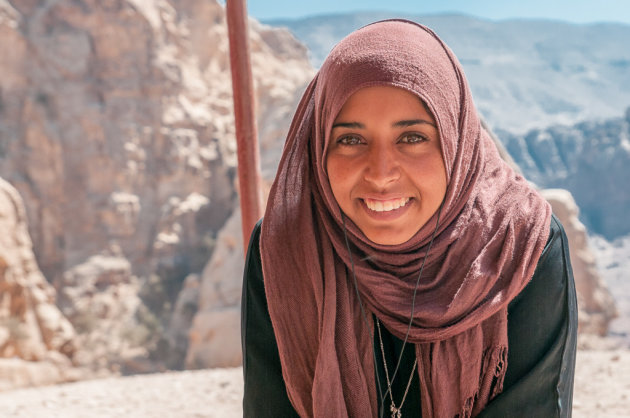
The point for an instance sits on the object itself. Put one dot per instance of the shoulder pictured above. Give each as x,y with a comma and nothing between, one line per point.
254,239
554,262
539,313
553,270
253,264
542,327
253,299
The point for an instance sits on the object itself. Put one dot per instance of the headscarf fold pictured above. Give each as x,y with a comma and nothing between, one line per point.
492,229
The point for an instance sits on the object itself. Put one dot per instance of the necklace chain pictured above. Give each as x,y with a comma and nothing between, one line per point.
396,411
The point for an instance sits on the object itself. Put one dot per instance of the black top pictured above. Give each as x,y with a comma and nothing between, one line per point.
542,332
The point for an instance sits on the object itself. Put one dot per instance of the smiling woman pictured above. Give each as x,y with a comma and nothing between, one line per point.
401,264
384,163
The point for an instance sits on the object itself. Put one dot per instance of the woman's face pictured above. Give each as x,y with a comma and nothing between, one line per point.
384,163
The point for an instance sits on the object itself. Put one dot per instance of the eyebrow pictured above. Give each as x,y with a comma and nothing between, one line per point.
354,125
399,124
411,122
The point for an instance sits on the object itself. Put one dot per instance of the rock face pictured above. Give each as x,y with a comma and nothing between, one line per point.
101,298
614,259
37,343
590,159
116,128
215,337
178,332
596,304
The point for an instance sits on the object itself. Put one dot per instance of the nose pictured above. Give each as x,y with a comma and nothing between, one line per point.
382,167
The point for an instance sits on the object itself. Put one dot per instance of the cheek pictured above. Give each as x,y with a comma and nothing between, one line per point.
438,174
429,174
340,178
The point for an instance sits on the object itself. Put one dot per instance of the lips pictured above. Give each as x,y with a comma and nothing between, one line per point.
386,205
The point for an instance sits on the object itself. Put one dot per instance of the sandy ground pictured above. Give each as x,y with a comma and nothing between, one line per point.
602,384
602,389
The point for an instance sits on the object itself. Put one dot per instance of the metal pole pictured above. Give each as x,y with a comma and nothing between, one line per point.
246,135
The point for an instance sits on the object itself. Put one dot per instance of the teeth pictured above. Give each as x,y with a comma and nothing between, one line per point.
387,205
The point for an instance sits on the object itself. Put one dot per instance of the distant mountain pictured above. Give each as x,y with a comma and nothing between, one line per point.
524,74
590,159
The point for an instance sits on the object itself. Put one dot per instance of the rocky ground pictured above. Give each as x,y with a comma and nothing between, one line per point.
602,390
602,384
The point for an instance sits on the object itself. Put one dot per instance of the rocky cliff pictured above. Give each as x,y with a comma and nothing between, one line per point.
590,159
116,127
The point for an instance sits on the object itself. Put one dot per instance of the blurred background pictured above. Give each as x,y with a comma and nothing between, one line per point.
120,243
576,11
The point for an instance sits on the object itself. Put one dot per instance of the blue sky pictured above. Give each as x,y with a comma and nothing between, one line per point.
578,11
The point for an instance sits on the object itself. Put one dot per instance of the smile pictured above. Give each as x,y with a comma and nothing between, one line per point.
386,205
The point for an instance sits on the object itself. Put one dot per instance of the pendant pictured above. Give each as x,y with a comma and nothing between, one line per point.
395,411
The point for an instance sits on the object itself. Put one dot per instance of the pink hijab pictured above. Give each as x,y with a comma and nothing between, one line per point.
492,230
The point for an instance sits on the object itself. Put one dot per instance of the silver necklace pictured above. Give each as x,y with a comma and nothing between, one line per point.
396,411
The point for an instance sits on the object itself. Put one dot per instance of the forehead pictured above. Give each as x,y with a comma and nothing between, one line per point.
375,101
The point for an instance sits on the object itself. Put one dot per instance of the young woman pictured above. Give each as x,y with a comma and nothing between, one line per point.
402,268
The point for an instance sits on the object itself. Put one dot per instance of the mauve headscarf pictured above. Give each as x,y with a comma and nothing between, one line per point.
492,230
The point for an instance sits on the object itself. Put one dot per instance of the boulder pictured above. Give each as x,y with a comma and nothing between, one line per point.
101,299
215,336
37,342
595,302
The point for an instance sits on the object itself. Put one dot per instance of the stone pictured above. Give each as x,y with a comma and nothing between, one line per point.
32,328
178,332
17,373
219,303
215,339
595,302
100,298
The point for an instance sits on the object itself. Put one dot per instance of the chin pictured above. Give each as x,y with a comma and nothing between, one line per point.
384,238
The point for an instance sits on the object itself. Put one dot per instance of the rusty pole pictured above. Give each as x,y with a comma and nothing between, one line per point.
246,134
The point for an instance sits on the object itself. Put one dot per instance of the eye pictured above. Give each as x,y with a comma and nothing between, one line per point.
350,140
412,138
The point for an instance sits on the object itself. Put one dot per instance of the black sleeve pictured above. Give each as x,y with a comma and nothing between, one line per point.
265,394
542,334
